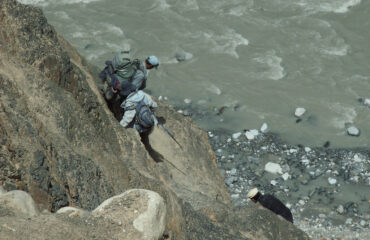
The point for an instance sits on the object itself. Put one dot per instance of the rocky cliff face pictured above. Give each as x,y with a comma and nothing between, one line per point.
61,143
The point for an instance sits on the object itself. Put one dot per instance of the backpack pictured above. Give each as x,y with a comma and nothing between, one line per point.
144,116
124,67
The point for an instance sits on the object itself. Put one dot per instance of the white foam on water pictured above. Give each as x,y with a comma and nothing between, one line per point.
34,2
336,6
337,51
213,89
340,6
275,70
115,47
110,28
226,42
54,2
160,5
238,11
191,5
230,7
63,15
346,115
78,35
96,55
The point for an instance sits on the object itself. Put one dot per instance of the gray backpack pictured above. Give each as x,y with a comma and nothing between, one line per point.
124,67
144,115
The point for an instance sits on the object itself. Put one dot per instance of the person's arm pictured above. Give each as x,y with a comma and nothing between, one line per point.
129,114
138,79
151,102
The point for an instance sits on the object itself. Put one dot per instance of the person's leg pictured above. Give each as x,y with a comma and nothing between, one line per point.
108,93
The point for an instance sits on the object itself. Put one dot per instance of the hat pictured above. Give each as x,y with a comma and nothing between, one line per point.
153,60
252,193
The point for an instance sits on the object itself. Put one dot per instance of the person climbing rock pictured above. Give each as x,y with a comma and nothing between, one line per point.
270,202
138,112
124,75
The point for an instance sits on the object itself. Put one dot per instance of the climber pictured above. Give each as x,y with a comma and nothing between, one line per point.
138,112
124,75
270,202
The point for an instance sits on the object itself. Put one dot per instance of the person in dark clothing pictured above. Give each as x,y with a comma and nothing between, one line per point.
270,202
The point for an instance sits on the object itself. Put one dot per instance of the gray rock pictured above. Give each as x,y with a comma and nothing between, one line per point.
367,102
236,135
73,211
340,209
19,202
273,168
353,131
299,111
136,210
229,181
2,190
264,128
233,171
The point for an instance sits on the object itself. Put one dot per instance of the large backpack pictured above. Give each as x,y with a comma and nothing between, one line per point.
144,116
124,67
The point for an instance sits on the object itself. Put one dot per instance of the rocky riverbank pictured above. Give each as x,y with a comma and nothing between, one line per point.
327,190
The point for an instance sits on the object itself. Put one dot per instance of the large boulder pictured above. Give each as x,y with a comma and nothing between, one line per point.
19,203
140,213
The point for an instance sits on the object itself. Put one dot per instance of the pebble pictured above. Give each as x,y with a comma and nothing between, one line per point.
285,176
322,215
235,195
249,135
273,168
349,221
229,181
236,135
367,102
187,100
187,113
273,182
299,112
340,209
357,158
254,132
293,150
264,128
307,149
332,181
